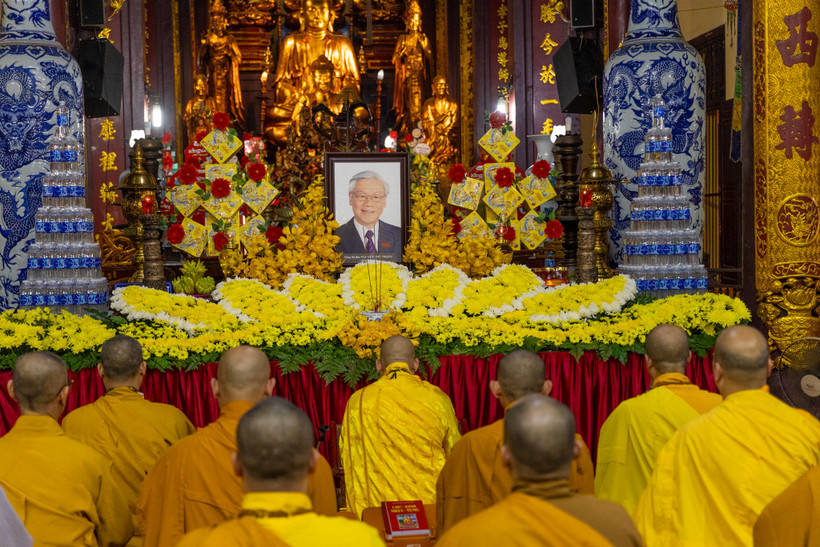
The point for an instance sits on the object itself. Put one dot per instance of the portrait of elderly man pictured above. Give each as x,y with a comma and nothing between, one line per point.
366,235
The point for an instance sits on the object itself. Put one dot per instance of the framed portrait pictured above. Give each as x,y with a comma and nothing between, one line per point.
369,196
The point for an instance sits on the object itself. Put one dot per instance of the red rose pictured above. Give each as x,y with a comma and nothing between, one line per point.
457,173
175,234
188,174
201,135
541,169
199,217
170,182
221,188
504,177
220,240
509,233
246,136
408,138
167,137
394,135
273,234
257,171
554,229
243,161
221,121
497,119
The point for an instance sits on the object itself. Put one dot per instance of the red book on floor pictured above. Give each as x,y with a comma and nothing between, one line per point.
404,518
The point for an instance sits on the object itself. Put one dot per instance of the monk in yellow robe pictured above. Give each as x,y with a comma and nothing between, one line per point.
396,433
193,484
130,431
474,476
62,490
274,458
539,446
793,517
637,429
718,472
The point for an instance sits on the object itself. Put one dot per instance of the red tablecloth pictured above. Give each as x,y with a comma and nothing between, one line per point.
591,387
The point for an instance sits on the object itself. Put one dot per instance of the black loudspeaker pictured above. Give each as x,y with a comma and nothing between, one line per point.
579,70
92,13
101,64
582,13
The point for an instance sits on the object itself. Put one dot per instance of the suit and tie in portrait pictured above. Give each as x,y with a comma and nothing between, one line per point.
366,235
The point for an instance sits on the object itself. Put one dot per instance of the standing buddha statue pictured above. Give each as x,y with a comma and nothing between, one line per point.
198,109
439,116
221,57
412,60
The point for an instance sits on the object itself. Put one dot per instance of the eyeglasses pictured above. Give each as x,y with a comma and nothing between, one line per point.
365,197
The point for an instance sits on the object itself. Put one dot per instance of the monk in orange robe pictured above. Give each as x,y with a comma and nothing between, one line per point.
718,472
637,429
62,490
539,446
474,476
130,431
274,457
193,484
793,517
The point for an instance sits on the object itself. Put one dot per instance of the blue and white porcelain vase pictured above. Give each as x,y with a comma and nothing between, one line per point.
653,60
36,74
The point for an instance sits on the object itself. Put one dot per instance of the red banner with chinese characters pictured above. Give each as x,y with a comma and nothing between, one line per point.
549,31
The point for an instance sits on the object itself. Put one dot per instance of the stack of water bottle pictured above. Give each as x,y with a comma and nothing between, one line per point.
661,252
64,261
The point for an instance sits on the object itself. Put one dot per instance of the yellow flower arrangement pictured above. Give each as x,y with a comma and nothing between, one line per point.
494,295
375,286
317,296
431,241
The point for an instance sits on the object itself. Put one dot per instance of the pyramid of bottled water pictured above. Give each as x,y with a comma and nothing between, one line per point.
661,251
64,260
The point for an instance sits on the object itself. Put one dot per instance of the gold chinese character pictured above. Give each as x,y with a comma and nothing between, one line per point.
549,101
502,43
547,129
107,130
107,193
548,44
502,58
504,75
108,160
547,74
502,26
502,10
548,13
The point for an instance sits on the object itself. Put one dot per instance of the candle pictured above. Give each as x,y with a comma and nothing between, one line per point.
568,124
149,203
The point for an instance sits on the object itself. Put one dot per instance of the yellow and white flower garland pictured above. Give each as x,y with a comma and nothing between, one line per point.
375,282
322,298
496,294
437,292
574,302
184,312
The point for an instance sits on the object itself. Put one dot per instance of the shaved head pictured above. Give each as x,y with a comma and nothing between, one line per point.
275,441
668,348
121,358
38,379
539,433
743,355
520,373
397,349
243,374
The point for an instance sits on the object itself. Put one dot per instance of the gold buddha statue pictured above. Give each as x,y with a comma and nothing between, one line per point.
198,108
412,60
220,55
438,117
293,80
322,80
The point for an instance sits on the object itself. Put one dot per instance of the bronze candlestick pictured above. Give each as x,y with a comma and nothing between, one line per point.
137,184
596,179
567,151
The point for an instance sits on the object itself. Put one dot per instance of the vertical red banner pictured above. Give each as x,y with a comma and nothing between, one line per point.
548,33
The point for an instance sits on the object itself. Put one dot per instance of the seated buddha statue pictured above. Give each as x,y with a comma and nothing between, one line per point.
199,109
297,52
